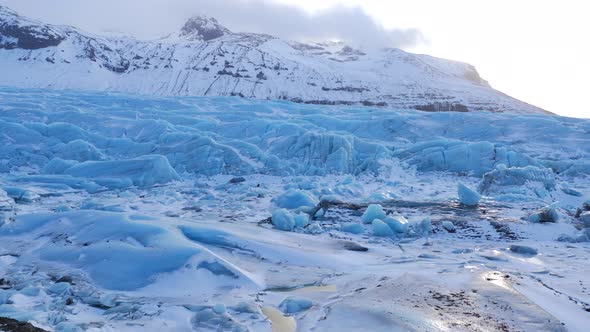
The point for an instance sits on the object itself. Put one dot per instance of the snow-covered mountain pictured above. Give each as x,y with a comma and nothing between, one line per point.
205,58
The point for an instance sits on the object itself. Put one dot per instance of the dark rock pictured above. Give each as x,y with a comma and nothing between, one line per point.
523,250
120,67
13,325
5,283
346,89
353,246
372,104
442,107
66,279
547,214
203,28
238,179
192,208
28,37
261,76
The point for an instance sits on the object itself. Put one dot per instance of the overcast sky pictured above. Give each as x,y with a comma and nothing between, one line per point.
534,50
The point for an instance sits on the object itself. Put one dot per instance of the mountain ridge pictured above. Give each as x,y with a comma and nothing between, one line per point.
207,59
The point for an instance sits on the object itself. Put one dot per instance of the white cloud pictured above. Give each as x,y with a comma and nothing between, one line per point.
156,18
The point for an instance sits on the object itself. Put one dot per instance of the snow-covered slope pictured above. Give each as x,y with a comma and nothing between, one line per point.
206,59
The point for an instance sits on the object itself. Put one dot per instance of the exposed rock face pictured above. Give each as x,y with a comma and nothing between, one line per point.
12,325
443,107
203,28
15,32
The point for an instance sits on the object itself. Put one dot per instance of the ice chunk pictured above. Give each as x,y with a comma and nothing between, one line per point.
296,200
293,305
373,211
59,288
398,224
67,327
380,228
449,226
547,214
352,228
209,320
467,196
142,172
585,218
219,308
283,219
301,219
314,228
571,191
425,227
244,307
320,213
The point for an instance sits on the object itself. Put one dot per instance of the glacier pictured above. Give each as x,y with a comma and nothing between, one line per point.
187,213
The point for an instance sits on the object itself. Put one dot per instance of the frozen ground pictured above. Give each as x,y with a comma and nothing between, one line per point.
183,214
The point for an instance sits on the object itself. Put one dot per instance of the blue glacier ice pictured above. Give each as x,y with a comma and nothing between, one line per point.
301,219
142,171
398,224
516,176
373,211
353,228
380,228
293,305
210,136
116,251
283,220
57,166
467,196
296,199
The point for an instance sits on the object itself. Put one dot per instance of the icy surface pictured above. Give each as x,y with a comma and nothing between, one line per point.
209,213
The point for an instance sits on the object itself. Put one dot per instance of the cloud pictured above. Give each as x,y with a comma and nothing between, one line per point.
155,18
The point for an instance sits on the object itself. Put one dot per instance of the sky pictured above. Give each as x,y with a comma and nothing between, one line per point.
533,50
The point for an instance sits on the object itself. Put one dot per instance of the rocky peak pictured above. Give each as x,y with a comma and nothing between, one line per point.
18,32
203,28
6,14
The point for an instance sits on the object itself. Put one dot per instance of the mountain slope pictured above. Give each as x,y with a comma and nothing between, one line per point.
205,58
